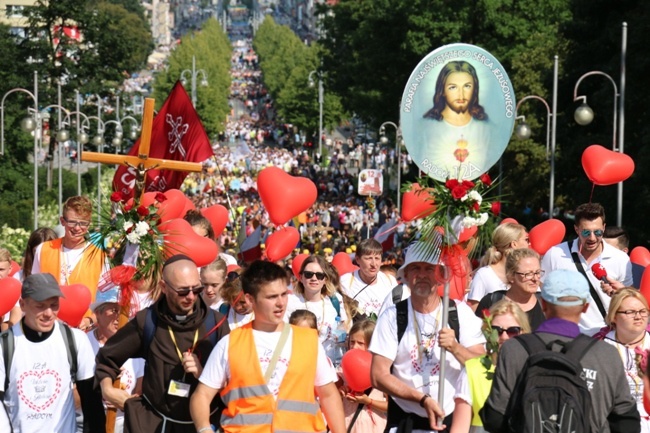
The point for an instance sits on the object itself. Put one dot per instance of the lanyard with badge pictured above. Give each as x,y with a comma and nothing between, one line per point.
180,388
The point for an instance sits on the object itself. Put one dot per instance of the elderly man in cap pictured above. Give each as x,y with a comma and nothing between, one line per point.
42,360
409,338
565,296
175,336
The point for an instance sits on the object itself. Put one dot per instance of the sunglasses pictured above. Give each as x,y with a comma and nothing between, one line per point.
232,276
587,233
512,331
319,275
184,291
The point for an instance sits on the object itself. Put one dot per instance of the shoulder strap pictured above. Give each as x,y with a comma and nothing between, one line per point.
497,296
336,304
579,346
398,290
8,348
224,309
210,322
402,318
452,318
533,343
357,411
71,349
592,291
150,322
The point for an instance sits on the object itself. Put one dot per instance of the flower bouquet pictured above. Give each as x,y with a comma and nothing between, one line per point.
489,360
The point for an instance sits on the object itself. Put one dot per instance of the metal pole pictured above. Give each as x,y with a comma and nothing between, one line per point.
621,122
320,115
194,81
553,138
100,149
58,89
117,116
37,133
76,96
398,148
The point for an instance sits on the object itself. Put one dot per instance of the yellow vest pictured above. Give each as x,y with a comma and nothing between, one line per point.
479,386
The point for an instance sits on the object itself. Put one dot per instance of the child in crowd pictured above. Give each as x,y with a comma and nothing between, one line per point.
304,318
213,277
236,307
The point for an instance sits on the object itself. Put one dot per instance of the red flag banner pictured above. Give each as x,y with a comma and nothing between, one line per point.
177,134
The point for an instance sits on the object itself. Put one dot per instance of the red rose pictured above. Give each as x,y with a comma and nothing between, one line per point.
486,312
142,211
485,178
160,197
128,207
475,207
496,208
117,197
458,192
468,184
452,183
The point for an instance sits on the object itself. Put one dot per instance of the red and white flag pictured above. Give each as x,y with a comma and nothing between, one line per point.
386,236
178,135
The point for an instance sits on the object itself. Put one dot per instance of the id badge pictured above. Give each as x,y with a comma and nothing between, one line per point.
178,389
418,382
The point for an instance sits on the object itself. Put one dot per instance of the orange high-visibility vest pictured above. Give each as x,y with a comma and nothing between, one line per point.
250,406
87,271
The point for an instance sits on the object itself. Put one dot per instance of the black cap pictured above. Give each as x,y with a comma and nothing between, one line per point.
40,287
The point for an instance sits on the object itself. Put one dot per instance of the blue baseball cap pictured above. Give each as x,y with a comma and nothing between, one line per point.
563,283
109,296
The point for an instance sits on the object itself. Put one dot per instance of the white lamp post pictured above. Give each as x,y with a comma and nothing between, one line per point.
398,152
321,101
194,73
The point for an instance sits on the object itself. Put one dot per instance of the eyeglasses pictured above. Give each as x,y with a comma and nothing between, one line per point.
72,224
530,275
632,313
512,331
184,291
319,275
587,233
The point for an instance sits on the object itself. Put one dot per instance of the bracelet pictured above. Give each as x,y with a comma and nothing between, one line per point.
423,399
204,429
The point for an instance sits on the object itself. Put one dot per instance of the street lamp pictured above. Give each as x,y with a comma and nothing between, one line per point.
321,100
81,137
523,132
28,124
98,140
584,114
398,152
194,74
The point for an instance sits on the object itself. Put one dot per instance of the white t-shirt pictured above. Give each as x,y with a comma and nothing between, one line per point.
325,318
39,397
416,360
369,296
484,282
616,263
237,320
216,372
388,301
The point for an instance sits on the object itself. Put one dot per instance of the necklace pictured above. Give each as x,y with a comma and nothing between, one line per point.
633,343
631,369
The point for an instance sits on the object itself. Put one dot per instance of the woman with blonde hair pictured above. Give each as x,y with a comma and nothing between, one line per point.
627,318
504,321
492,275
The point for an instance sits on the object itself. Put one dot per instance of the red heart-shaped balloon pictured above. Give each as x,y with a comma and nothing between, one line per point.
15,267
546,234
75,304
640,256
218,217
179,238
417,203
296,264
606,167
284,196
356,369
508,221
9,294
281,243
644,287
343,263
174,206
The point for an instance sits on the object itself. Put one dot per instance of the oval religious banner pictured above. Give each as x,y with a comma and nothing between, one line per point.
457,112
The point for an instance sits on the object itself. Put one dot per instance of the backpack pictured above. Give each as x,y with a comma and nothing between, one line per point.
9,347
397,292
151,322
402,318
550,393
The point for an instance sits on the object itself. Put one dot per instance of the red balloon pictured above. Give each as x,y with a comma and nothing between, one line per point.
356,369
218,216
284,196
174,205
417,203
15,267
179,238
9,294
509,221
296,264
644,288
606,167
467,233
281,243
75,304
546,234
640,256
343,263
188,207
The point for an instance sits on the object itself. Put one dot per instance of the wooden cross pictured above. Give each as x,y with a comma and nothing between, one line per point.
142,164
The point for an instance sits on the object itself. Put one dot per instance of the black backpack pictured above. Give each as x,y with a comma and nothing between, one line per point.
551,394
403,319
